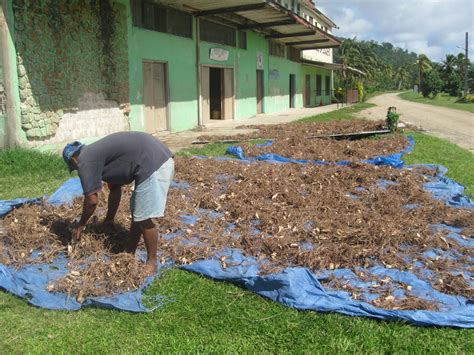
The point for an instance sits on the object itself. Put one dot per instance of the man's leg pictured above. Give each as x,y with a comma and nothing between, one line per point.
133,238
150,236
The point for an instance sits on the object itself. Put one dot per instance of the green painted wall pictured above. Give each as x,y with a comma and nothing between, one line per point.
64,49
276,77
180,55
247,75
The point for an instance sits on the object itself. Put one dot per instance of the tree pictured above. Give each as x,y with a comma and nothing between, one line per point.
402,76
449,64
432,84
424,65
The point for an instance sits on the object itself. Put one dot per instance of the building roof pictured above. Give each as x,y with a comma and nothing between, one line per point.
326,19
332,66
265,16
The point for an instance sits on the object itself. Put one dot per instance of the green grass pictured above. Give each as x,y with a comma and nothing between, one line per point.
460,162
209,316
443,100
206,315
27,173
345,113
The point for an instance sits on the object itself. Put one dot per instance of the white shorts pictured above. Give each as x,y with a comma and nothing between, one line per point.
149,198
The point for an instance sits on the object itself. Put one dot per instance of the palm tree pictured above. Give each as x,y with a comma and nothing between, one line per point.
449,64
402,76
356,55
424,64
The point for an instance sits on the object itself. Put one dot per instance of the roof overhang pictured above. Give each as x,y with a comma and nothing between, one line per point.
332,66
265,16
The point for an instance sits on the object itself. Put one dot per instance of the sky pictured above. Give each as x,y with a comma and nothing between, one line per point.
432,27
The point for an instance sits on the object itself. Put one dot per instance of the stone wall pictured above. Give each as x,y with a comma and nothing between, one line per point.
72,60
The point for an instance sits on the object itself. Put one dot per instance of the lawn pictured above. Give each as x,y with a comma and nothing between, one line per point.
206,315
443,100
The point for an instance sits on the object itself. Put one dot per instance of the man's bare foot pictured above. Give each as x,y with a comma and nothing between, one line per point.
150,268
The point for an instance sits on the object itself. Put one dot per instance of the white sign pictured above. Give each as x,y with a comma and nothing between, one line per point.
260,60
219,54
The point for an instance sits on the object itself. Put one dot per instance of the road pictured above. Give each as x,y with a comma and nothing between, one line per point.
454,125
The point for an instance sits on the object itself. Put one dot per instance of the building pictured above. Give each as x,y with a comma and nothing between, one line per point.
81,69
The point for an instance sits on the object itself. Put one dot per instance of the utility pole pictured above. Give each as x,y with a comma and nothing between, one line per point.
466,67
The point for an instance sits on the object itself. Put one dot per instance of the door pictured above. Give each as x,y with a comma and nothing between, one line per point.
228,94
155,97
259,91
292,90
308,91
206,96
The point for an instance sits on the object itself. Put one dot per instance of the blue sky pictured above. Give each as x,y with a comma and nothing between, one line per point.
432,27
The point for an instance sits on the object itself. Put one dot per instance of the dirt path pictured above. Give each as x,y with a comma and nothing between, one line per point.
455,125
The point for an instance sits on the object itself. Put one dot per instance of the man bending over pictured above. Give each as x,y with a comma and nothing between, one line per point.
120,159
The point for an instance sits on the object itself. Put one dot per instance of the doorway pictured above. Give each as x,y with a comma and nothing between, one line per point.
155,97
259,91
292,90
217,93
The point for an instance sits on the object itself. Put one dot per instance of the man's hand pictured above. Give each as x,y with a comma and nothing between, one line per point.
76,233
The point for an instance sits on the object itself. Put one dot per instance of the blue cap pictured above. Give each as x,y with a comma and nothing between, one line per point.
69,151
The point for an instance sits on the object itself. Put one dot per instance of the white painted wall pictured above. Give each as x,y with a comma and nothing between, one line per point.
95,117
319,55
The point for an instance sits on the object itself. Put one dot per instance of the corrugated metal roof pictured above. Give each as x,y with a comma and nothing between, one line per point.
252,13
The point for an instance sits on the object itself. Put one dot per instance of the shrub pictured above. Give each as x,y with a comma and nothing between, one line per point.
431,84
392,119
360,90
453,84
469,99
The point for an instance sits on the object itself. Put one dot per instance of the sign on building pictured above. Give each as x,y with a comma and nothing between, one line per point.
219,54
260,60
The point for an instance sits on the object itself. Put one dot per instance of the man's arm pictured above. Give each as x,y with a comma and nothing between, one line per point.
88,209
114,201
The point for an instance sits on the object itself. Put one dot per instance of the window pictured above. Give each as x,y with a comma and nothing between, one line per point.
293,54
216,33
242,40
328,86
318,85
148,15
277,49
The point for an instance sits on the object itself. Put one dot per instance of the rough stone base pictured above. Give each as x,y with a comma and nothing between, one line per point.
95,117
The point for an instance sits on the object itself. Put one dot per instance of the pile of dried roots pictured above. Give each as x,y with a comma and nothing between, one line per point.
319,217
296,141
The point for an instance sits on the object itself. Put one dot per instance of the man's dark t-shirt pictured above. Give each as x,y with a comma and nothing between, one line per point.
120,159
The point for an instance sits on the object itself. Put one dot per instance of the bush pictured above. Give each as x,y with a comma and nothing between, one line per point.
360,90
469,99
431,84
453,85
392,119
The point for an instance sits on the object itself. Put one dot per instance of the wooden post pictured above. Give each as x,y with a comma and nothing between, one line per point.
466,67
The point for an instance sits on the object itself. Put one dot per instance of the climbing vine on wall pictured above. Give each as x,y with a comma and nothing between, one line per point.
66,48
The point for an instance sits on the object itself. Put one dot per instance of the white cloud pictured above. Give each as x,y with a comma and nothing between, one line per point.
433,27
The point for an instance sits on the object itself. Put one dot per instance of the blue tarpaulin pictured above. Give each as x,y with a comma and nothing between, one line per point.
394,160
295,287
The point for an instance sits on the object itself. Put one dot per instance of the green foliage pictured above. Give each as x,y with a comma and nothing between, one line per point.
386,67
469,99
392,119
452,84
431,84
360,90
